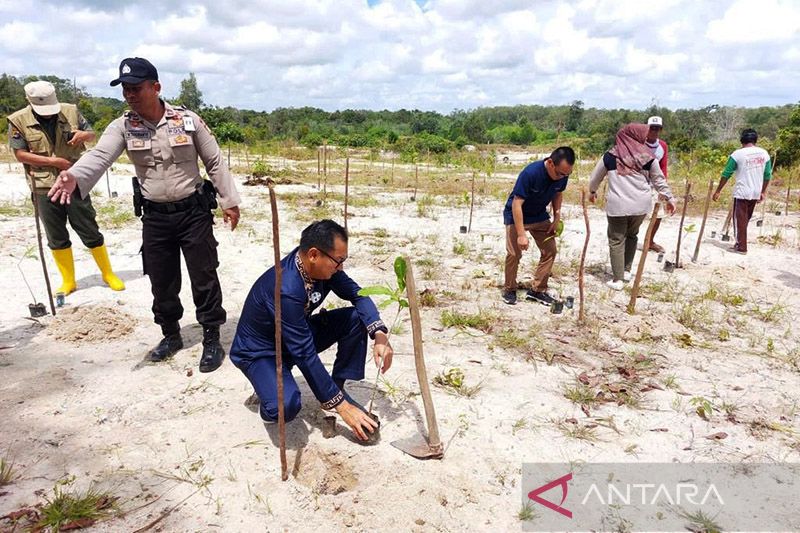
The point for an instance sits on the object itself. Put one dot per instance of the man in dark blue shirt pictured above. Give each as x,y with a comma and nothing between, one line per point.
538,185
310,272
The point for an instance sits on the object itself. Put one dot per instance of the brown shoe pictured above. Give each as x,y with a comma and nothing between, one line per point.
656,248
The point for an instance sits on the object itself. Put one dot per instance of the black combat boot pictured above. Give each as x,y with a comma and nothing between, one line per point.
169,345
213,354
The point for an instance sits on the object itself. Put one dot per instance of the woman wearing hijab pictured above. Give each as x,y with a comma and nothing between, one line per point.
632,172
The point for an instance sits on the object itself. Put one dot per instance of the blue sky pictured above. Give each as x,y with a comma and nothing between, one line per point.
437,54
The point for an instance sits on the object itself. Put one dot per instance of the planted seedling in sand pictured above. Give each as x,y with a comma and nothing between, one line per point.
703,407
394,295
452,380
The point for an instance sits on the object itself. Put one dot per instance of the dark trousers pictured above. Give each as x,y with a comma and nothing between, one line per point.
623,234
81,216
742,213
342,326
164,237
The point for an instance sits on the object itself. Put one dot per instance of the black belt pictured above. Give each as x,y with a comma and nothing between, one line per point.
171,207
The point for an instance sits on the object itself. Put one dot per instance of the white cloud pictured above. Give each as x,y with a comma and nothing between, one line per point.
439,55
749,22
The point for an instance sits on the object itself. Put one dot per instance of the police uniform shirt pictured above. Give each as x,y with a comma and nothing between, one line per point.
164,156
300,296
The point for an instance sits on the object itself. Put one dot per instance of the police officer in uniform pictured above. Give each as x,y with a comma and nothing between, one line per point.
163,143
47,137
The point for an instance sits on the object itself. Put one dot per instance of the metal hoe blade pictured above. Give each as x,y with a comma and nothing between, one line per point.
417,446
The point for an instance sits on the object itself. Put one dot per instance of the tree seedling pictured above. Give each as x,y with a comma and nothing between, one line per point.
394,295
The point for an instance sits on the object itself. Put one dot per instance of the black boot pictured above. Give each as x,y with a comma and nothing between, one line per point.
213,354
169,345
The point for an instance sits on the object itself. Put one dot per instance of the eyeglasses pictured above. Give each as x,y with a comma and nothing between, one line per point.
339,262
559,175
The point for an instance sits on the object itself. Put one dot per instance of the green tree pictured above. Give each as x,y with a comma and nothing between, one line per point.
190,96
574,115
788,141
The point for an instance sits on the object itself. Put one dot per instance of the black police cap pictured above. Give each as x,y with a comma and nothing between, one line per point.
135,70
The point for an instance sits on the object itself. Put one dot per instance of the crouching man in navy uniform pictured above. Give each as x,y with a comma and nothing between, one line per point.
310,272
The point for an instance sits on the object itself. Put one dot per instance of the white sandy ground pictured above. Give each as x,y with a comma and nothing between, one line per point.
168,436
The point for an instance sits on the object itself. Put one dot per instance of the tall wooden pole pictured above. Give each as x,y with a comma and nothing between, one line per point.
581,312
434,441
471,203
703,225
276,247
41,248
416,180
346,188
647,238
680,228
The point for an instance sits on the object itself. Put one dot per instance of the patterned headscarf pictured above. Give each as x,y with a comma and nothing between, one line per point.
630,149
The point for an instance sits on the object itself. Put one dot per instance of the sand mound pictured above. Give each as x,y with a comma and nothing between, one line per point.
325,473
91,324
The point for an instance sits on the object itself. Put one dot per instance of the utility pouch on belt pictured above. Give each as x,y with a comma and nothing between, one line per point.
137,197
209,195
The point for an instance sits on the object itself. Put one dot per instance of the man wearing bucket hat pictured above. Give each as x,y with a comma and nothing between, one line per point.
47,137
660,151
163,142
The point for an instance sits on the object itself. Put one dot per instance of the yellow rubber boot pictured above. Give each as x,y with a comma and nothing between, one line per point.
66,266
100,255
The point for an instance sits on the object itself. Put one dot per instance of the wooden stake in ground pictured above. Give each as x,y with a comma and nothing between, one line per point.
581,313
416,181
319,165
276,247
703,224
639,271
680,228
727,225
346,188
41,250
471,203
432,447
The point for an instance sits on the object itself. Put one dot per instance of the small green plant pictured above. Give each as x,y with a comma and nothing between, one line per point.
700,522
703,407
6,471
381,233
526,513
774,313
482,320
73,508
558,232
460,247
260,169
519,425
427,298
724,335
452,380
581,394
511,339
671,382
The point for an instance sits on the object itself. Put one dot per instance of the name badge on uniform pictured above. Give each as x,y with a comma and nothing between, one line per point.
138,139
188,123
180,140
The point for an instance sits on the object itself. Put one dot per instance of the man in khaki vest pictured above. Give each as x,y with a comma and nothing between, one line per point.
48,137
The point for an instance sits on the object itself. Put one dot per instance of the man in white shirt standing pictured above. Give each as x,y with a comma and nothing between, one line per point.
753,170
660,152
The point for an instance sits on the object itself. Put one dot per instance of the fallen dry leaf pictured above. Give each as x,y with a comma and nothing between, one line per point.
717,436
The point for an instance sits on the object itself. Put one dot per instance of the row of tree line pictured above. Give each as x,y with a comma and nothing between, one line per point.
591,130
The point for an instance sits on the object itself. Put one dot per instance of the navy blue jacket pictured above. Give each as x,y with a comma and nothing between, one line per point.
300,296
